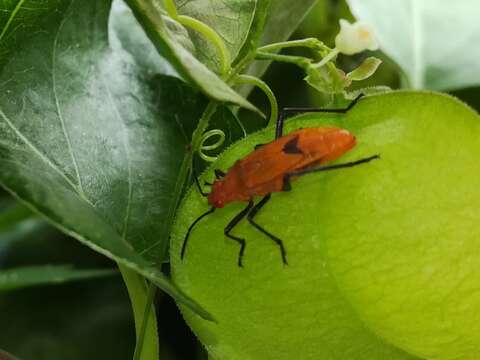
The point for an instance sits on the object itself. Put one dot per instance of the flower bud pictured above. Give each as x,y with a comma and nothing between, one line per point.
355,38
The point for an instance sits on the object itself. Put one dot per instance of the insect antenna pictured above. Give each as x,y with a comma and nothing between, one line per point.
197,182
203,193
185,241
282,117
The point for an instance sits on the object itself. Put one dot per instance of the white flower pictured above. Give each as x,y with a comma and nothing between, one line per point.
355,38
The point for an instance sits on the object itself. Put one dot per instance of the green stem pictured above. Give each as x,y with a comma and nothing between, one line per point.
331,55
152,290
311,43
297,60
143,313
187,159
211,35
171,8
241,66
262,85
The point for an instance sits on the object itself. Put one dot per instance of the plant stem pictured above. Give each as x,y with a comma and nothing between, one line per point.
330,56
144,315
171,8
262,85
187,159
152,290
311,43
297,60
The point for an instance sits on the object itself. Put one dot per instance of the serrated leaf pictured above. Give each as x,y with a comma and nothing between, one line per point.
232,20
17,278
90,139
434,42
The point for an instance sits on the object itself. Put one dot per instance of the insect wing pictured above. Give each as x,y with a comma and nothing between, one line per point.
267,164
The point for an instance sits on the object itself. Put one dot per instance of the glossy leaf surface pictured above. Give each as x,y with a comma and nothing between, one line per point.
91,139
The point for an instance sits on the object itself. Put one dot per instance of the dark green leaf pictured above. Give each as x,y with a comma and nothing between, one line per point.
18,20
230,19
91,139
22,277
19,232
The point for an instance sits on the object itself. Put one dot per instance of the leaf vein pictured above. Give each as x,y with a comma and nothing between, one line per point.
39,153
58,107
11,18
126,145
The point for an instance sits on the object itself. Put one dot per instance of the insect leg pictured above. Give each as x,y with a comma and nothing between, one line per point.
287,186
298,110
184,245
250,217
258,146
289,175
218,175
232,224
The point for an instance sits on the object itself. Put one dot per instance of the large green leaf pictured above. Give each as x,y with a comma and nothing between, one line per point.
232,20
27,276
174,43
92,140
434,42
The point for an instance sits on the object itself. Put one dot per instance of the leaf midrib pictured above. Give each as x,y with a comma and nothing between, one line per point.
40,154
77,189
126,145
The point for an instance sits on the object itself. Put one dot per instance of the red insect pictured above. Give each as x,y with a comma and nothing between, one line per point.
271,167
